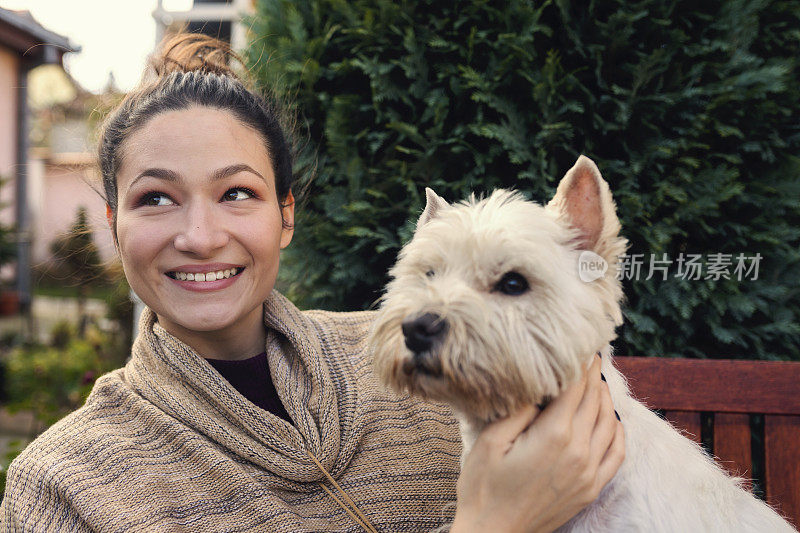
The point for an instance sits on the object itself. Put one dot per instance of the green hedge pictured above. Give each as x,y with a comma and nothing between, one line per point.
691,110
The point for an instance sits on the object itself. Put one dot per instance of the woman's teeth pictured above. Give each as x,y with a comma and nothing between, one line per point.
206,276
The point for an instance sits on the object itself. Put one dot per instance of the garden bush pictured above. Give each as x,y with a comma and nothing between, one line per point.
54,380
689,109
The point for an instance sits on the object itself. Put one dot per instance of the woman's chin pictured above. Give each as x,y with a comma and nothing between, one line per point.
201,320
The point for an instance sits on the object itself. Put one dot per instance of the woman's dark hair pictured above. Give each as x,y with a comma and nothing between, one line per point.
193,69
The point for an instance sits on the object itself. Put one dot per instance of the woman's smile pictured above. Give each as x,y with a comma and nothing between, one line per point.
205,277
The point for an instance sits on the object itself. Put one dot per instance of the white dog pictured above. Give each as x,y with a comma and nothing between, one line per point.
486,312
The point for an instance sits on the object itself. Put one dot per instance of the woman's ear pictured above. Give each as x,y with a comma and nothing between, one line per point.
110,219
287,214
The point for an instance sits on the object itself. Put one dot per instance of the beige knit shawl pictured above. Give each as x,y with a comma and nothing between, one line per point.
167,444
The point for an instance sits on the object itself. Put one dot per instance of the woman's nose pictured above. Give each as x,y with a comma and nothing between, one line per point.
201,233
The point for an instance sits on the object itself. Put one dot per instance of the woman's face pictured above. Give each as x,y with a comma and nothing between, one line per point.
199,226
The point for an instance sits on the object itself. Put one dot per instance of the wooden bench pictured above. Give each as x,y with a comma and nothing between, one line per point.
746,413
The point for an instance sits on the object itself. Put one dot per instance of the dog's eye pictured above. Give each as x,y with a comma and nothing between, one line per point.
430,273
512,284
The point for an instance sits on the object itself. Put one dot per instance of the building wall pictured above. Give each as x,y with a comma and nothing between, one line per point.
9,74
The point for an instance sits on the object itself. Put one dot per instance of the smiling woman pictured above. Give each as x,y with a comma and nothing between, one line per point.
237,411
191,213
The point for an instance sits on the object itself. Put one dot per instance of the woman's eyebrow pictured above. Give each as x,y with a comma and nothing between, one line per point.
234,169
169,175
160,173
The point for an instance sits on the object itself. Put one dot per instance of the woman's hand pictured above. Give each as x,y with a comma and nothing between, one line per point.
533,471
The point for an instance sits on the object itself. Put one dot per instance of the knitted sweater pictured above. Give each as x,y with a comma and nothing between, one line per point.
167,444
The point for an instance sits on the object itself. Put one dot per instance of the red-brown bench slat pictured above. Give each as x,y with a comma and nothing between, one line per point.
732,444
722,386
782,476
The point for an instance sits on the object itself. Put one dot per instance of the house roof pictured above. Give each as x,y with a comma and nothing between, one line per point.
22,33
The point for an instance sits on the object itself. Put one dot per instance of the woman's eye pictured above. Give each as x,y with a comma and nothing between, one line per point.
156,199
238,193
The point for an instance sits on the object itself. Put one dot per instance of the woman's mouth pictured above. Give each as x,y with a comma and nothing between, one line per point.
214,275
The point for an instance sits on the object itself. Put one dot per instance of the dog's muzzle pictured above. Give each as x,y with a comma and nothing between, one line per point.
421,334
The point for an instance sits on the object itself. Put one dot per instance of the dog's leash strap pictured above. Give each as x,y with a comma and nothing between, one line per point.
360,519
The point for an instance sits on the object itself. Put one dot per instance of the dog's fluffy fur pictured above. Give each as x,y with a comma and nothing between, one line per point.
500,351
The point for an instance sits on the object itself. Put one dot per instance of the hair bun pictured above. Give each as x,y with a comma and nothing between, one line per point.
187,52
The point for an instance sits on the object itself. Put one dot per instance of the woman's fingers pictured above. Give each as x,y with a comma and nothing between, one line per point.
588,410
605,427
566,404
613,457
501,434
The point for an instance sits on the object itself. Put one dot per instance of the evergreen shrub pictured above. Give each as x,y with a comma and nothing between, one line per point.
690,109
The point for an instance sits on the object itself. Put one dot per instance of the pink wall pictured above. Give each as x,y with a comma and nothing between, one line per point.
63,190
9,72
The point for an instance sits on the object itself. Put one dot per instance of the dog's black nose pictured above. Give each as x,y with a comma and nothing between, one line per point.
421,331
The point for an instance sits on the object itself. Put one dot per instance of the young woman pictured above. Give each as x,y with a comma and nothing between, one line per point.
236,411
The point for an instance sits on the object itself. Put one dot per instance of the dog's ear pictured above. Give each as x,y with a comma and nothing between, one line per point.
433,207
584,199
